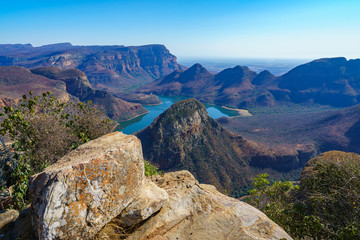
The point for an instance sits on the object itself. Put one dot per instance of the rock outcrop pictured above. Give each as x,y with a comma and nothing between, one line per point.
151,200
77,196
103,182
198,211
185,137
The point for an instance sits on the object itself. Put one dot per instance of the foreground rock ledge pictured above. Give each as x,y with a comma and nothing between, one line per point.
77,196
197,212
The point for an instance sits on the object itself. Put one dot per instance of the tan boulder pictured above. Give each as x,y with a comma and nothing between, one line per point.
151,200
198,211
7,217
77,196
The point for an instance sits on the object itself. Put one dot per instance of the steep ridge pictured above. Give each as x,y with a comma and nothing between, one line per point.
233,87
329,81
17,81
185,137
110,67
78,85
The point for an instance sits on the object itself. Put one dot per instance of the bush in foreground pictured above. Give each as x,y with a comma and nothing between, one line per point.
42,130
325,204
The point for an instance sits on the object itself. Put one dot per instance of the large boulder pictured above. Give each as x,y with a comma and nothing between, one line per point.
151,200
77,196
198,211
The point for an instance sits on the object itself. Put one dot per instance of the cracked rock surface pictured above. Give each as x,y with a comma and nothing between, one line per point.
77,196
198,211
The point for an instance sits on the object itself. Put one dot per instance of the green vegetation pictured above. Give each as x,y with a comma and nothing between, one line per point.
290,108
324,205
42,130
151,170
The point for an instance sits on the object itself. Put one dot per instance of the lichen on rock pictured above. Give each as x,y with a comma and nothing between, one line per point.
76,197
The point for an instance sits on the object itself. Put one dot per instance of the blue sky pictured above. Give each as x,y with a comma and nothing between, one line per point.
216,29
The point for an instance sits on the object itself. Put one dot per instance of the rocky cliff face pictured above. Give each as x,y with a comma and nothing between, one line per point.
78,85
111,67
99,191
77,196
185,137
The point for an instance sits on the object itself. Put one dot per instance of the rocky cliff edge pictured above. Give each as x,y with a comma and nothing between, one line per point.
100,188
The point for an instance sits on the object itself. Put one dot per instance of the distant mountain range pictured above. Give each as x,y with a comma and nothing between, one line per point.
65,84
185,137
331,81
113,68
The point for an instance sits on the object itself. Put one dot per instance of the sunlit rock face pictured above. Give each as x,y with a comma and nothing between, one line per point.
76,197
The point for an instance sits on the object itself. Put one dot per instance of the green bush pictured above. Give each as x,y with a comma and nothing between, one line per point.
325,204
42,130
151,170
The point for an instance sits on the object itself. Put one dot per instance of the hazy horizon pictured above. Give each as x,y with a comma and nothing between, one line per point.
205,29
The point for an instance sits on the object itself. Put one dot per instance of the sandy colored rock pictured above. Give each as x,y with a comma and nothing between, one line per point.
198,211
77,196
151,200
7,216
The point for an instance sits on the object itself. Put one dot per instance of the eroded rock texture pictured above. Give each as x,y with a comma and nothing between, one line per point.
76,197
198,211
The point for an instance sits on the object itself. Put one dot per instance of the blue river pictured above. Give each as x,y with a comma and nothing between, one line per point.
138,123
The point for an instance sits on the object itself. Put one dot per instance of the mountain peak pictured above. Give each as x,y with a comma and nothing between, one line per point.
264,77
243,68
234,76
185,137
184,109
196,67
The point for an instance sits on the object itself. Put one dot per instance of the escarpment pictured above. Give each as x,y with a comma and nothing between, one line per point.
114,68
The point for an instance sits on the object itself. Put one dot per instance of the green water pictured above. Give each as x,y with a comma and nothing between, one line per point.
143,121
